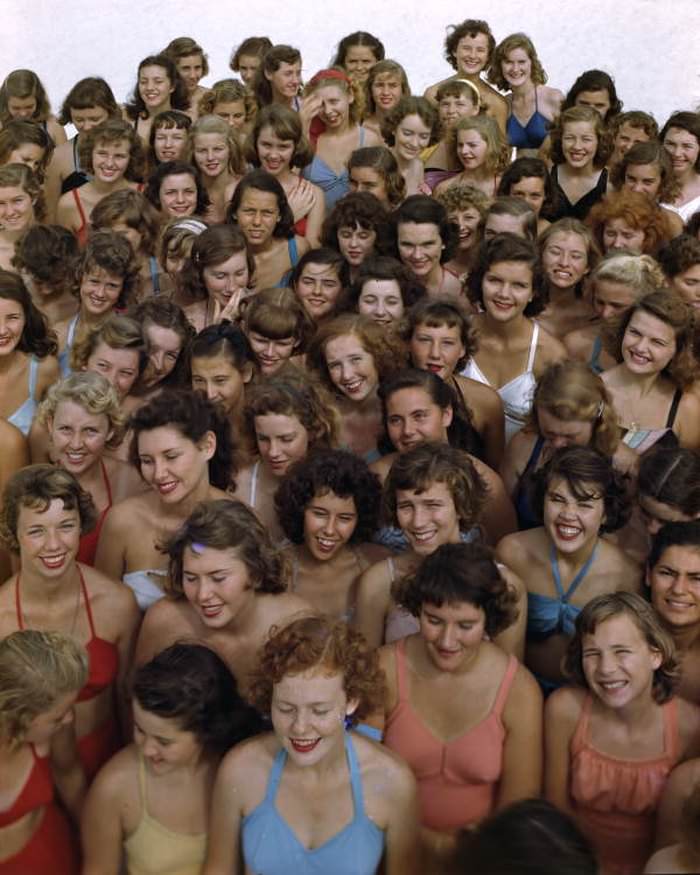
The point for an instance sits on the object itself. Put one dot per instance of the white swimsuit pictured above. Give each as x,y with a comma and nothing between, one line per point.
685,211
147,592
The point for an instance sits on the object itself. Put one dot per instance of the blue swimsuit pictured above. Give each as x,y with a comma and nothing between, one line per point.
530,135
334,185
23,416
270,846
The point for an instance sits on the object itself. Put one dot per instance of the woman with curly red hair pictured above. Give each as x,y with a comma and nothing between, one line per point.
630,221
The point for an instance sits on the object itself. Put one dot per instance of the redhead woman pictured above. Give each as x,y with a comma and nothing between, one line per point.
681,139
158,87
328,506
216,153
27,353
260,209
481,150
182,449
44,514
21,205
631,222
314,794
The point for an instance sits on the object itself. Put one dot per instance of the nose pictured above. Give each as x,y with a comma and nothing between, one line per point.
606,663
157,359
149,747
68,717
76,441
563,258
558,442
212,391
269,348
606,313
300,723
447,637
52,539
653,525
159,469
345,370
434,350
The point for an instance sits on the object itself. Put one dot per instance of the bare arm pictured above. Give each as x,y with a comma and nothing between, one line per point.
67,770
159,630
126,644
402,847
522,753
373,603
515,460
561,713
225,819
682,781
512,639
102,833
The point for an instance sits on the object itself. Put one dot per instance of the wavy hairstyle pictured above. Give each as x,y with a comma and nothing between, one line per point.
37,338
22,176
95,394
166,314
112,130
109,251
421,209
637,211
419,106
260,180
285,125
528,168
276,314
252,45
176,168
86,94
224,91
214,124
48,253
382,161
500,54
116,332
652,153
23,84
179,98
688,122
183,47
272,60
594,80
470,27
358,38
18,132
358,208
386,66
134,210
213,246
679,255
508,247
580,114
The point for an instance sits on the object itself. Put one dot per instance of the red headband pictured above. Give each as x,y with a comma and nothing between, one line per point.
329,74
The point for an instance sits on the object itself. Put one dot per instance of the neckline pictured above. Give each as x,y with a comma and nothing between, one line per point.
578,578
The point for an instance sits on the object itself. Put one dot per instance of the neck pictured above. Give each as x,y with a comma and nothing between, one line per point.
371,402
557,293
685,637
152,113
8,362
579,172
637,713
91,320
434,279
12,236
524,90
105,188
46,590
184,508
644,383
92,476
308,558
216,184
578,559
243,621
686,177
265,246
517,327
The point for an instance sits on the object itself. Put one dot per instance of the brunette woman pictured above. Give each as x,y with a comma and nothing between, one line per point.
158,87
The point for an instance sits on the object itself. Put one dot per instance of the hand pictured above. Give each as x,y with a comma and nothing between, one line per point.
311,106
301,199
231,310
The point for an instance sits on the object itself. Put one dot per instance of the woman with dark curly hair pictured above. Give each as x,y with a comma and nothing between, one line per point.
384,289
45,257
44,513
681,139
318,280
357,227
182,448
650,387
27,353
187,714
564,563
507,285
680,262
21,207
313,794
595,89
462,603
631,222
624,669
158,87
467,208
328,506
351,355
175,188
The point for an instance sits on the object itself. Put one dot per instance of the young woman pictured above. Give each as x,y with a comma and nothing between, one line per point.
384,289
260,209
177,190
595,89
529,179
218,275
461,602
571,407
629,129
113,155
613,738
374,169
285,416
649,387
227,588
466,208
151,802
357,226
45,257
532,106
510,215
564,563
386,84
169,138
352,355
168,336
480,148
328,506
507,284
409,128
216,153
277,145
680,262
425,242
456,99
331,100
21,205
246,59
158,87
277,327
681,139
580,149
629,221
569,253
315,794
117,350
23,96
27,353
182,449
357,53
174,249
45,511
318,280
15,455
278,78
41,674
229,100
192,65
27,143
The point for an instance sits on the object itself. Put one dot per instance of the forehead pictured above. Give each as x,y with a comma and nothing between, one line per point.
474,39
309,687
210,139
154,724
202,557
188,60
529,183
359,53
681,134
76,412
414,122
319,271
278,423
153,70
567,240
160,438
454,612
438,329
346,344
163,338
263,200
408,399
598,96
413,232
643,321
581,127
31,514
178,179
328,500
686,556
380,287
118,357
8,192
660,510
643,170
583,487
435,490
120,145
618,628
207,366
549,422
629,130
613,290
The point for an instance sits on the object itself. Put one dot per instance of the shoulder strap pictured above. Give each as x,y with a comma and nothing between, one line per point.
275,774
533,346
86,599
355,776
142,785
33,375
108,485
677,395
79,205
505,686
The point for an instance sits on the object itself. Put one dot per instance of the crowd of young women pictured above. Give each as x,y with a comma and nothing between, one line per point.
350,470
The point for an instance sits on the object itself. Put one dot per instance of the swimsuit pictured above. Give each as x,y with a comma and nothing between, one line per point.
457,780
64,355
293,252
146,591
153,849
433,178
530,135
581,208
89,541
98,746
594,361
517,393
616,800
270,845
23,416
78,176
527,518
685,211
83,230
641,439
334,185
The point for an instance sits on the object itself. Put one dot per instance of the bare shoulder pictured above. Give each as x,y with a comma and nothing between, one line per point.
382,769
248,764
117,779
101,587
618,562
479,393
516,549
372,553
689,725
549,348
564,706
129,512
49,373
282,607
579,342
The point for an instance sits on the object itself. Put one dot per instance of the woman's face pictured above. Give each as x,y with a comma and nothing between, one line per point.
219,380
285,81
191,69
381,300
211,154
169,143
282,440
12,322
507,290
28,154
48,539
275,155
687,284
656,514
644,179
559,433
257,216
618,663
110,160
503,223
411,136
386,91
611,299
119,366
335,103
178,195
597,100
164,348
271,353
371,180
620,235
579,144
223,280
173,465
329,523
318,288
165,747
472,149
356,243
648,344
155,87
565,259
99,290
248,66
437,348
45,725
420,247
16,209
572,523
531,190
627,136
683,148
452,633
86,119
232,112
351,367
413,418
308,715
517,68
472,54
77,437
453,107
21,107
358,61
216,583
467,221
428,518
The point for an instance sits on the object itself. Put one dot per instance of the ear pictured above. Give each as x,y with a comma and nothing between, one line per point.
110,435
351,706
656,658
247,372
208,444
447,416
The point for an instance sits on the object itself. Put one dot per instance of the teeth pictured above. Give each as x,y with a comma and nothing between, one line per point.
569,530
424,536
613,685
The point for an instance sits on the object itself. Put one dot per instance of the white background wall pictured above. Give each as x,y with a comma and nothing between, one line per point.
650,46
